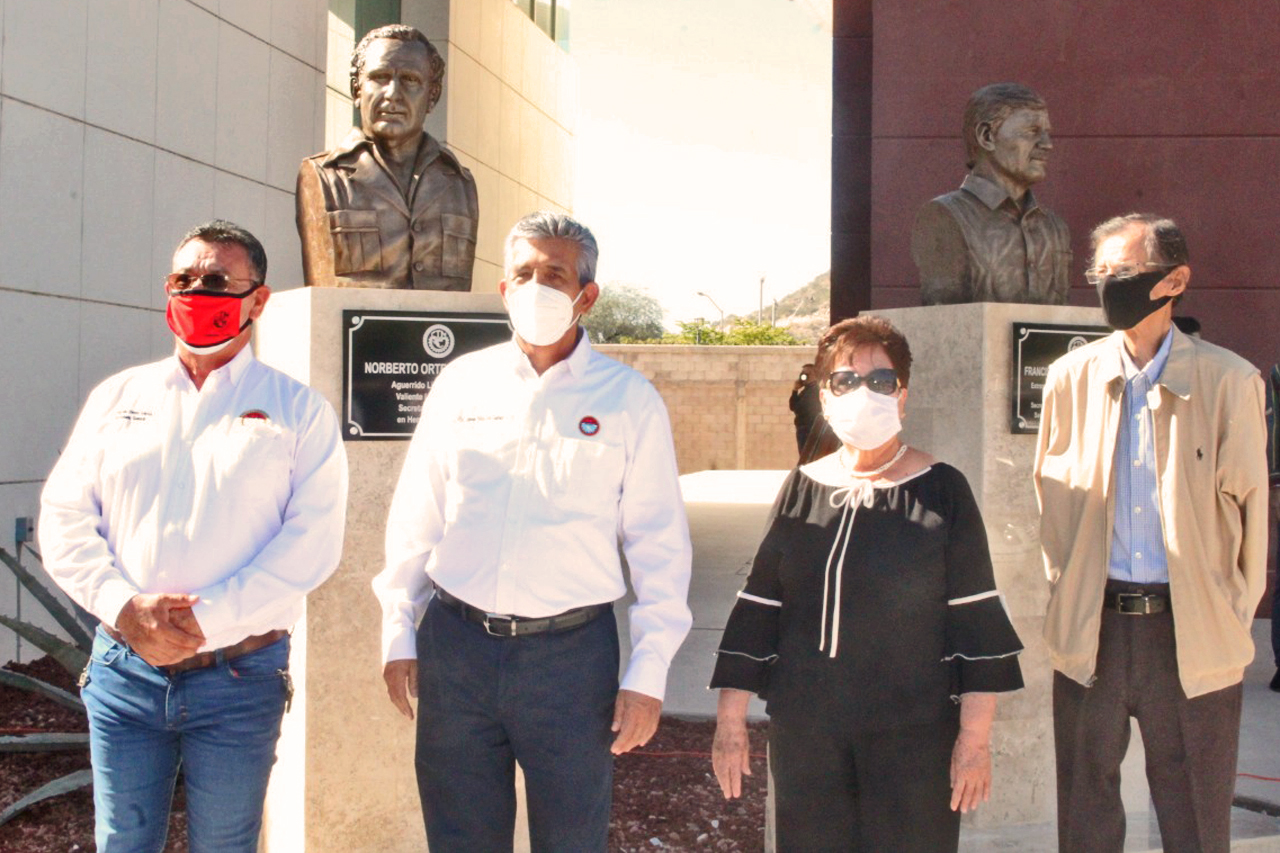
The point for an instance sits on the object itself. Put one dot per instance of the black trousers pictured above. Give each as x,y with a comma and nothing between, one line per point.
1190,744
868,792
485,703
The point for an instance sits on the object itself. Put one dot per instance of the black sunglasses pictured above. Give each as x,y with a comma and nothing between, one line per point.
882,380
180,281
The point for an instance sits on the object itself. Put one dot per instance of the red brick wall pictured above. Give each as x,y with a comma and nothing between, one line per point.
1169,109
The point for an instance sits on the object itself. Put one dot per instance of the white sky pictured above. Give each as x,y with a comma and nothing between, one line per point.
704,147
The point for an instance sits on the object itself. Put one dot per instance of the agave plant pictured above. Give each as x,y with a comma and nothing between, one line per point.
72,655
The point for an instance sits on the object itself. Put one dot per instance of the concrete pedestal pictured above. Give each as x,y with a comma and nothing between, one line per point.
344,778
959,409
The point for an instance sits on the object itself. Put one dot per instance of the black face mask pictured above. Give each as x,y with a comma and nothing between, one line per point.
1126,302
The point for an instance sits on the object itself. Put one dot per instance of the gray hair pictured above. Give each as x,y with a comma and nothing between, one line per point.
400,32
222,231
1164,242
545,225
992,104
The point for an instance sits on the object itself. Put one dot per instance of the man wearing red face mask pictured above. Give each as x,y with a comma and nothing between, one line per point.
197,502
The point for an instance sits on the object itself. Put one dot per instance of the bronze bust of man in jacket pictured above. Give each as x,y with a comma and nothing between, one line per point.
389,206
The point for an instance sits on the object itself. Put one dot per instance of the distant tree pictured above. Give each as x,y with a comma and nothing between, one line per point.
699,332
624,313
751,333
743,333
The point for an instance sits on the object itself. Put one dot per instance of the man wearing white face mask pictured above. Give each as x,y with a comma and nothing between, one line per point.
197,502
533,462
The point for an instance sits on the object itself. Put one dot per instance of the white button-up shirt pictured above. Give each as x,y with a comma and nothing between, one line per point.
518,490
235,492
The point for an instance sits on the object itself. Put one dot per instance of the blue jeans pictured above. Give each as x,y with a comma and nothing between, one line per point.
485,703
220,724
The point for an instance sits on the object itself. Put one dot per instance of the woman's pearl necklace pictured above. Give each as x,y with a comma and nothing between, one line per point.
848,465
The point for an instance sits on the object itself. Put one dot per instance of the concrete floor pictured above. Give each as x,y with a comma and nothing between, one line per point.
727,513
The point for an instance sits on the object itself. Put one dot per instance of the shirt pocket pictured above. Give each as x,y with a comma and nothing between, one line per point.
584,476
357,245
255,452
458,246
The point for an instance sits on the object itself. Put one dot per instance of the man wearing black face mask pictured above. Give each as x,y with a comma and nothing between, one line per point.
1151,478
197,502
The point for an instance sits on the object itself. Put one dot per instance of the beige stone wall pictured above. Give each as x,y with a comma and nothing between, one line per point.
508,112
728,405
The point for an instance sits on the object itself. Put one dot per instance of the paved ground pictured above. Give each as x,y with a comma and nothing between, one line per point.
727,512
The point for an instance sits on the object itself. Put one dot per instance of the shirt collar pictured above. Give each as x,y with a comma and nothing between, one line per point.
576,362
230,373
355,142
991,194
1154,369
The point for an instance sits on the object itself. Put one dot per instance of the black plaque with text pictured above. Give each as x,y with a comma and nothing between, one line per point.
1035,347
391,358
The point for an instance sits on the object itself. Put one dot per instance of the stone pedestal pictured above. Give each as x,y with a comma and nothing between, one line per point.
959,409
344,778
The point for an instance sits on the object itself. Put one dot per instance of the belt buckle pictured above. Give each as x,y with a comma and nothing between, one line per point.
1142,596
509,624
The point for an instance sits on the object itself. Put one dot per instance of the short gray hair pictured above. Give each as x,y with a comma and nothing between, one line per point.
1165,242
546,225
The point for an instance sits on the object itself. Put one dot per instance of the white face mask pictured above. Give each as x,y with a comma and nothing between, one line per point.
862,418
540,314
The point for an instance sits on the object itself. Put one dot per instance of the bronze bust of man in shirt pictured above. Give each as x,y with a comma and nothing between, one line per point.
389,206
990,241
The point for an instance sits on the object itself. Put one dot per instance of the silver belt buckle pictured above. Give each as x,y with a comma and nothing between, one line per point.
1146,603
507,621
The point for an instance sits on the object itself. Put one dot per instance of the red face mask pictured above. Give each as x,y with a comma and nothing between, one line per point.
206,321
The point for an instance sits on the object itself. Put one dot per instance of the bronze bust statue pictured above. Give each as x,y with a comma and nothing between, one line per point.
390,206
989,241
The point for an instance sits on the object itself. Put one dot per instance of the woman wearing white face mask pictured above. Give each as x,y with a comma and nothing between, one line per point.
871,625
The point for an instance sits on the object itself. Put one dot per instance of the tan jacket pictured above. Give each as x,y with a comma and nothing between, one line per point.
360,229
1212,477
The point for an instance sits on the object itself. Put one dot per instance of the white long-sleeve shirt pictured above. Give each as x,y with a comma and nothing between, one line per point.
518,490
235,492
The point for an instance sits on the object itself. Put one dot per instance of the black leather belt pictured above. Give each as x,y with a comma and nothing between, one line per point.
1136,603
500,625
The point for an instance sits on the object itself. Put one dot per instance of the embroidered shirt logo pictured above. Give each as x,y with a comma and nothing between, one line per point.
588,426
254,415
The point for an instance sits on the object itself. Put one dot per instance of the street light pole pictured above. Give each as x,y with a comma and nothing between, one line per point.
718,308
760,313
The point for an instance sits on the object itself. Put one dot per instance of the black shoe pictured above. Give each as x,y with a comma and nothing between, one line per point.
1275,681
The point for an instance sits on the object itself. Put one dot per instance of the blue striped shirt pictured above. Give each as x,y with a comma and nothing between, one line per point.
1137,539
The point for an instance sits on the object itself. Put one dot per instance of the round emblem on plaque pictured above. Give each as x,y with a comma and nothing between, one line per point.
438,340
1075,343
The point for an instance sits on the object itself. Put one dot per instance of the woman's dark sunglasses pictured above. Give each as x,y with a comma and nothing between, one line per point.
882,380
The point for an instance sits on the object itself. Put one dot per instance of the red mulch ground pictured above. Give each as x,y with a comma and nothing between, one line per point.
62,824
665,795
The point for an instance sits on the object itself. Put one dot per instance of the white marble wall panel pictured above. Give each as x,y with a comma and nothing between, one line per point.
45,64
121,58
113,338
183,198
252,16
244,69
186,90
291,119
280,238
116,263
293,29
41,164
241,201
40,351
